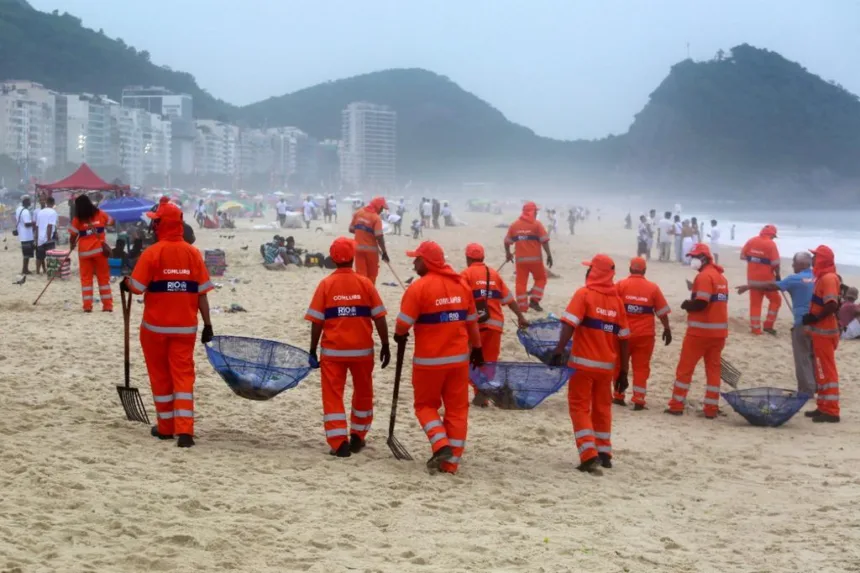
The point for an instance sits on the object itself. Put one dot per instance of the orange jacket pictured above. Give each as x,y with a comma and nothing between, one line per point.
600,322
827,288
713,322
345,304
445,319
476,277
527,238
91,235
762,258
643,300
173,276
367,226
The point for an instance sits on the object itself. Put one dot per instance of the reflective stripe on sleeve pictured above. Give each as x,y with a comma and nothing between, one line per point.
572,318
72,231
406,318
508,299
624,332
377,310
703,295
471,318
315,314
205,286
662,311
138,285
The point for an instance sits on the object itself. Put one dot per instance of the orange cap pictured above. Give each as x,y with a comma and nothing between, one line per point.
637,264
823,251
601,262
166,211
430,252
475,251
768,231
378,203
342,250
700,249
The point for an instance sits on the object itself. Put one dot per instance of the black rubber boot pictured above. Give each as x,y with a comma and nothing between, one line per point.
605,460
153,431
535,305
185,441
813,414
771,331
823,418
356,444
342,450
673,412
639,407
619,401
590,466
439,457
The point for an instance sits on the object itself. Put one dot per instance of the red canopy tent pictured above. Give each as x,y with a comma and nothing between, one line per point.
84,179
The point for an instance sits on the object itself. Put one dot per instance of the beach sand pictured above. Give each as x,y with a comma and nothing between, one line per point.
81,489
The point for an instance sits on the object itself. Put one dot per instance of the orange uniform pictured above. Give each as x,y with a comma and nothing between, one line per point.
825,333
346,303
440,307
599,320
496,295
367,226
643,300
762,258
528,236
706,335
172,277
91,259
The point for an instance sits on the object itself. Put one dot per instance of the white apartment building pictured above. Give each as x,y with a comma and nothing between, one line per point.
84,129
27,124
178,108
216,148
369,148
142,143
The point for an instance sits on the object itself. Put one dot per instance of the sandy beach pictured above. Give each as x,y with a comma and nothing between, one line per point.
81,489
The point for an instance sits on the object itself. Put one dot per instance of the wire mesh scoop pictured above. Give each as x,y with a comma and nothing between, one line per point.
540,339
519,385
766,406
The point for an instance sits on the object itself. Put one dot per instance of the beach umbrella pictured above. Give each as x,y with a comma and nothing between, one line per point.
231,206
126,209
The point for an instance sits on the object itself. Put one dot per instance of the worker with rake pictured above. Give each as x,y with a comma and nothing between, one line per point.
342,312
173,278
441,308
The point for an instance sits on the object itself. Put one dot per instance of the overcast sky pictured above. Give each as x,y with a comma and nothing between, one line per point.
565,68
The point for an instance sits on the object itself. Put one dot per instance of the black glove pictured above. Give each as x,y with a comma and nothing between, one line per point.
509,257
810,318
312,359
549,261
384,356
476,359
385,258
621,383
207,335
401,338
556,358
686,305
667,337
123,285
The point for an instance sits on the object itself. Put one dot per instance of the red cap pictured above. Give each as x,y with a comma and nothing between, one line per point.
475,251
768,231
637,264
700,249
378,203
430,252
166,211
601,262
342,250
823,251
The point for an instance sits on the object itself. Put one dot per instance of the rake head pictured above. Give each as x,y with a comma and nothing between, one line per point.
132,403
398,449
729,374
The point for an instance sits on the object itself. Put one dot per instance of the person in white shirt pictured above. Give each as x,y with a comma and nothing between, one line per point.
200,213
665,228
426,211
281,208
714,236
677,232
46,228
24,226
447,214
332,208
652,228
308,213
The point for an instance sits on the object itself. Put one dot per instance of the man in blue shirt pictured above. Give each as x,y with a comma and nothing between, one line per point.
800,286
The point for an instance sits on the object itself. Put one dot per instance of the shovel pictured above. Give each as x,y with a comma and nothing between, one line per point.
394,444
132,403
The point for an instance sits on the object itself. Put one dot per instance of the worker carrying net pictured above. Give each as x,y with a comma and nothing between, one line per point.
518,385
766,406
541,337
257,369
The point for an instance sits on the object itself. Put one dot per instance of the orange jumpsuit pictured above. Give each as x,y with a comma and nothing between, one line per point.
91,259
173,276
643,300
346,303
762,258
825,339
528,235
443,313
367,226
491,330
600,322
706,335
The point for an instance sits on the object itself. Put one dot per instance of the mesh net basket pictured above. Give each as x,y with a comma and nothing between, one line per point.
541,338
257,369
519,385
766,406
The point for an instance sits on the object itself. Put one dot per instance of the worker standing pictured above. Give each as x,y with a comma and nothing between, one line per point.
174,281
528,235
707,330
87,232
822,326
343,311
440,307
643,300
369,239
762,257
596,320
489,292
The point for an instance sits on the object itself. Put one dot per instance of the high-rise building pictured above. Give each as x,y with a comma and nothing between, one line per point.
27,112
217,150
141,143
369,146
85,126
179,110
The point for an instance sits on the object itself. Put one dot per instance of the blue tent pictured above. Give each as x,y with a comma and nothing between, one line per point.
126,209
